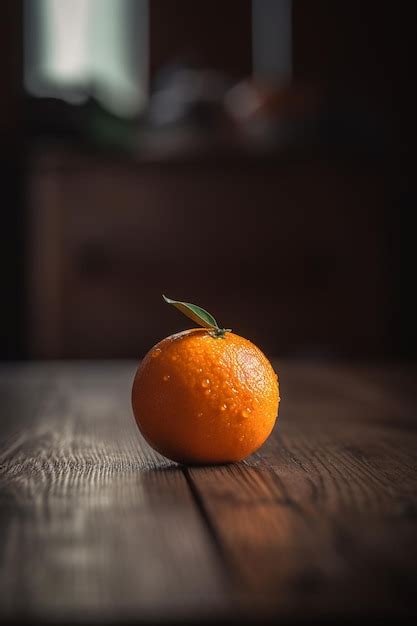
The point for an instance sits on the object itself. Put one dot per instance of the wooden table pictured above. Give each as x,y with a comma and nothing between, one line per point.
96,527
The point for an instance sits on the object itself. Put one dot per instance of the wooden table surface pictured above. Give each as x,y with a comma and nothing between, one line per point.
319,524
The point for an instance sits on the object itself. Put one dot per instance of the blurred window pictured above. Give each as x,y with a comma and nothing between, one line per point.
75,49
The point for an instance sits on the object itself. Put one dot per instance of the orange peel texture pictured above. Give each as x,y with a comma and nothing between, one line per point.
198,399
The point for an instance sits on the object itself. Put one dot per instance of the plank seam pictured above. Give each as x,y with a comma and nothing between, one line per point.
208,524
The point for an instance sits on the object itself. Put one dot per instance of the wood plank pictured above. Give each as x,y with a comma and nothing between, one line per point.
93,524
321,522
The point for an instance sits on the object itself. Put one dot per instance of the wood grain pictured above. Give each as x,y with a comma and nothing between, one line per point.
322,521
93,524
319,524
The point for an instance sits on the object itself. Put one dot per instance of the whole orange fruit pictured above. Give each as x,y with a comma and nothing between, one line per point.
201,398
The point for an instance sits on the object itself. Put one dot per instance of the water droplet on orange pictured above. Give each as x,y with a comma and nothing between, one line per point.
246,412
156,353
205,383
223,407
207,392
167,377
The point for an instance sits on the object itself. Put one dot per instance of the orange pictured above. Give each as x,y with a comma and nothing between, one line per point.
199,398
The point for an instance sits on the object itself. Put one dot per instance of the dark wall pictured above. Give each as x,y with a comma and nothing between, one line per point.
213,34
362,54
356,58
11,181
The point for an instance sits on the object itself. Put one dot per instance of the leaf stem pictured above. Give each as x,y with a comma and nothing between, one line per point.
219,333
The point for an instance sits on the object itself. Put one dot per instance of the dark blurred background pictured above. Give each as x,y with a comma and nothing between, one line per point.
254,157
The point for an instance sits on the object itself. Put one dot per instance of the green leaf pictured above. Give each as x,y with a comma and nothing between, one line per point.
194,312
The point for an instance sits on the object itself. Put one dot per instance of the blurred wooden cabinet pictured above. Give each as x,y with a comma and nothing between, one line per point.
290,253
